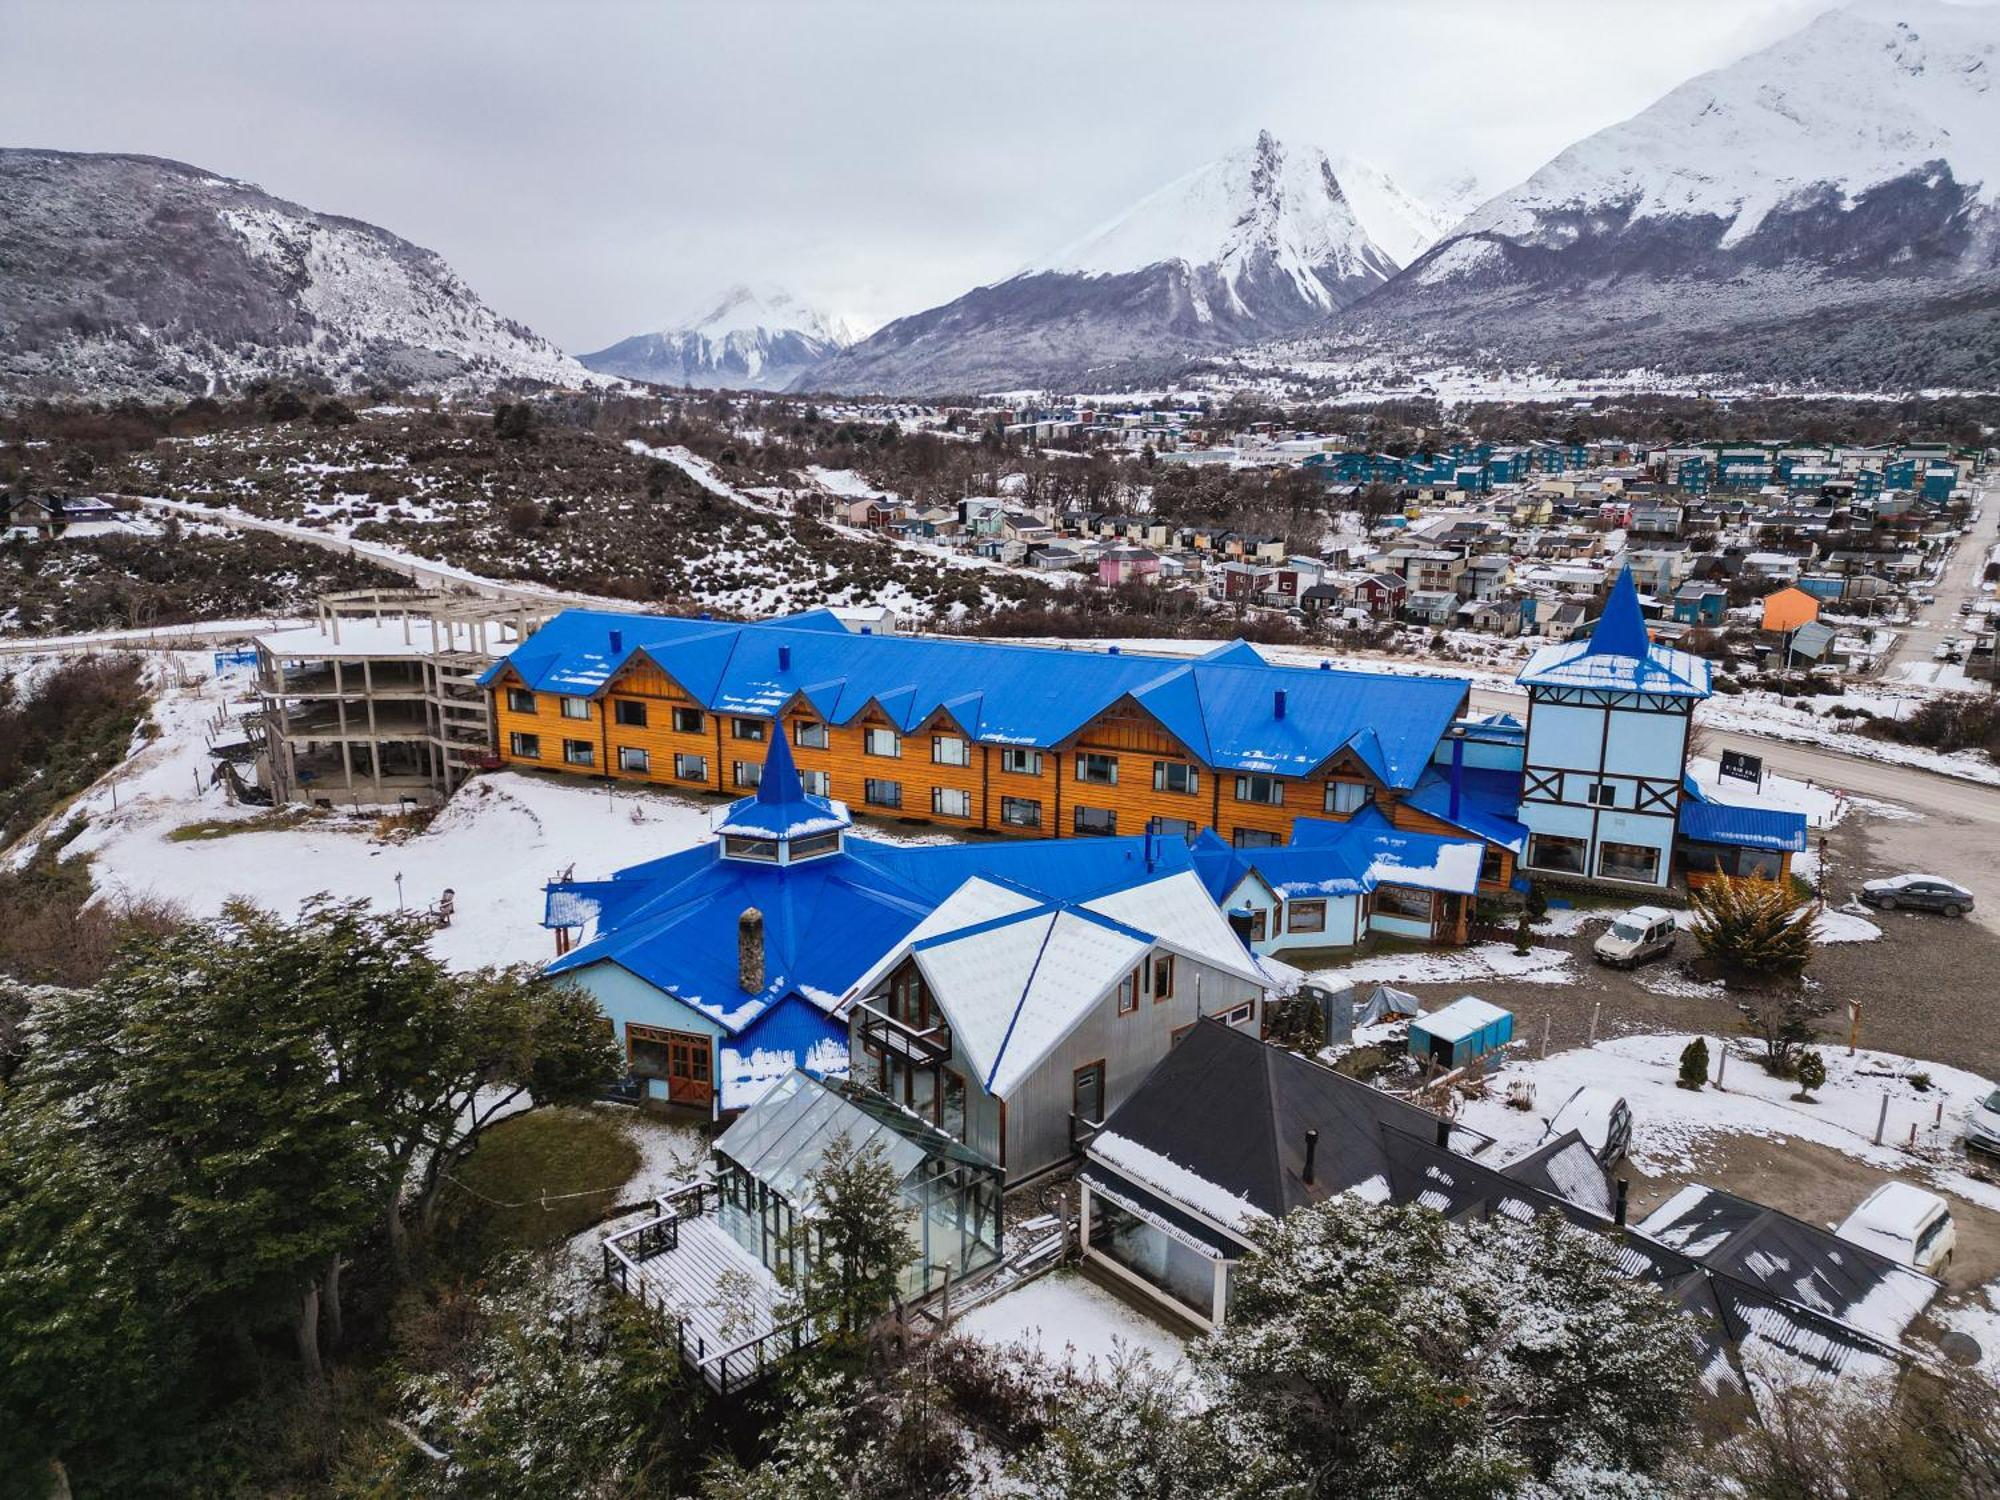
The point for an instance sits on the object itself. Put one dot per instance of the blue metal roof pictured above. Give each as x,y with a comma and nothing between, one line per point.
1743,827
781,808
668,921
1489,803
1231,709
1619,656
1329,857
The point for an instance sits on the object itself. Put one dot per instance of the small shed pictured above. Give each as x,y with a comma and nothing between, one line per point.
1467,1028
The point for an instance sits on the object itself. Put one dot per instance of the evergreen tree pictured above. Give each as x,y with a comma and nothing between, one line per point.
1811,1074
1759,930
1694,1064
851,1241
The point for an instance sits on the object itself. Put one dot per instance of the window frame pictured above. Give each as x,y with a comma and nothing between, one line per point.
683,713
869,798
688,756
645,759
1079,812
749,731
522,701
1313,905
939,793
1250,779
1157,965
524,745
576,710
869,740
1336,792
938,755
628,713
580,753
1008,804
1581,845
1012,754
1652,875
746,774
1128,992
1164,771
1096,760
812,734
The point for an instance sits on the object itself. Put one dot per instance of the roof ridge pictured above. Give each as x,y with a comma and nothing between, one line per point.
1020,1003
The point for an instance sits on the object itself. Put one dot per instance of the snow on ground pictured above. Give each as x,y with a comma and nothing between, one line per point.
1069,1319
1845,924
494,844
1977,1315
1670,1125
671,1151
1455,966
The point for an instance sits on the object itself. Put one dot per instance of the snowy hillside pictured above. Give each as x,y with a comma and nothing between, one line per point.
1858,98
752,339
1267,241
130,275
1853,165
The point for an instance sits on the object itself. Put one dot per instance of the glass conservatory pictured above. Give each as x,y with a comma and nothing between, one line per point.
767,1160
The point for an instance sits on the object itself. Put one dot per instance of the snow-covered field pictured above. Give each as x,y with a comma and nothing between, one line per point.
493,845
1071,1320
1455,966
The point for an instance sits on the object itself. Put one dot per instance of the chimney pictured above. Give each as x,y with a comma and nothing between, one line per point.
1444,1135
1312,1147
1278,704
750,950
1326,666
1457,770
617,641
1112,651
1624,1187
784,658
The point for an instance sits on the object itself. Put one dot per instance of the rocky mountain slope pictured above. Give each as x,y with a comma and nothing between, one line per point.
1824,208
135,276
1268,241
750,340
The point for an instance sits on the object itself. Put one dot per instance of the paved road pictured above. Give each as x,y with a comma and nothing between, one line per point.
1959,582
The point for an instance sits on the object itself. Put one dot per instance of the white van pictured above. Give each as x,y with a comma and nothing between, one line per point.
1906,1224
1643,932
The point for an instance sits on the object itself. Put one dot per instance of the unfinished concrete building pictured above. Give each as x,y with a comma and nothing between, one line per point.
378,702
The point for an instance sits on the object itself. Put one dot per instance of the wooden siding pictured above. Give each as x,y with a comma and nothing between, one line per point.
1126,732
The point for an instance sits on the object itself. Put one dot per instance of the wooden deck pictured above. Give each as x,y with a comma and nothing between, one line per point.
722,1300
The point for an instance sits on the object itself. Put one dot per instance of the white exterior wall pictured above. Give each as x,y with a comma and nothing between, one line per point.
1635,745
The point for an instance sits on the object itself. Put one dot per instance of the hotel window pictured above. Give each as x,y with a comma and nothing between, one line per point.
1267,790
882,793
1402,901
1098,770
1305,916
687,721
576,708
1021,762
746,773
632,758
950,750
630,713
809,734
691,768
1255,838
520,701
1128,993
1094,820
1602,794
1237,1015
1175,776
1344,797
950,802
817,783
885,742
747,729
1627,861
1548,851
1020,812
527,746
579,753
1163,976
1175,828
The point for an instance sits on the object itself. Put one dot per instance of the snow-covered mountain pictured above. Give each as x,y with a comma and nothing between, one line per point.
1268,241
1825,207
135,276
752,339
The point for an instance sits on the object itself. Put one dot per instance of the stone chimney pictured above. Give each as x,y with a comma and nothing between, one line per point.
750,950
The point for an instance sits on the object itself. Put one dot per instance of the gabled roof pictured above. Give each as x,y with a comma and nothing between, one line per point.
1014,972
1233,1113
1224,707
781,808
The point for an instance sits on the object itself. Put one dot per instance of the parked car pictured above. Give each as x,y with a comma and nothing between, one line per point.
1635,936
1600,1116
1982,1127
1918,893
1906,1224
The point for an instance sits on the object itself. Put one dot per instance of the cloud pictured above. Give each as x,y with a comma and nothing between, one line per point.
595,170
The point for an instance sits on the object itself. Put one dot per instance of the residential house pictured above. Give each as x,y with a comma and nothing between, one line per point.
1700,603
1433,608
1117,565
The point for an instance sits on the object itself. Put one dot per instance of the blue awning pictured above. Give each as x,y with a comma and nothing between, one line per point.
1743,827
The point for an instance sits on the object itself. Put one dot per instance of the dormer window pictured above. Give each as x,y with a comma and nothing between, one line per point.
763,851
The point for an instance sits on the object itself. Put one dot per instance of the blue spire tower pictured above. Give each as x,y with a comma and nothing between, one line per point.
1607,744
781,823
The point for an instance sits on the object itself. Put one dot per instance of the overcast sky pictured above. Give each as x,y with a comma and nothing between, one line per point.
601,169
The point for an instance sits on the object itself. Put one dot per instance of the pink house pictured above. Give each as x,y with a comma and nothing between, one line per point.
1116,565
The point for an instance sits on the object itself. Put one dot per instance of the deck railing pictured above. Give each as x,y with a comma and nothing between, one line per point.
725,1370
926,1047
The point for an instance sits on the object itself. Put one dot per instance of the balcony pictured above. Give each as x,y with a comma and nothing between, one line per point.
926,1048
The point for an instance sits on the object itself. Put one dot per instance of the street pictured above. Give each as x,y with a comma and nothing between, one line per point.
1959,582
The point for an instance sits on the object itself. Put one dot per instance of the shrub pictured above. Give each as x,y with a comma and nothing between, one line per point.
1694,1064
1811,1074
1758,931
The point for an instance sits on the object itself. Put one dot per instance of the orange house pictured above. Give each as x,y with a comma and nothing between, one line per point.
1788,609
